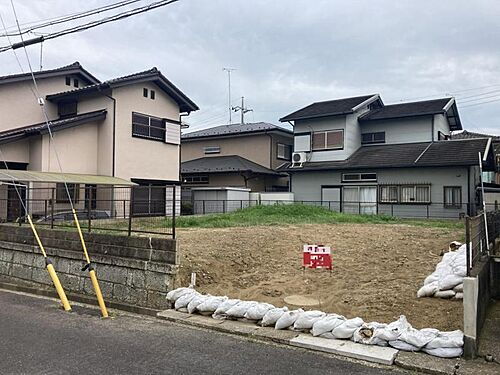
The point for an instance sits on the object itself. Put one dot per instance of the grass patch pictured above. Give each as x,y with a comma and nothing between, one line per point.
289,214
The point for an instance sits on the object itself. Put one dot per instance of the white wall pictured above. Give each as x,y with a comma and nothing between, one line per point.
410,130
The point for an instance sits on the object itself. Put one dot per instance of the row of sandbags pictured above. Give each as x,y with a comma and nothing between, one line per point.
448,278
399,334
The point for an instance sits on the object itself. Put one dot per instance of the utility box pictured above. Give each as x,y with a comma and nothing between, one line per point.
211,200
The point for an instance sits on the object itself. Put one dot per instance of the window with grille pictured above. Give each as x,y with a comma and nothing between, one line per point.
150,127
369,138
453,196
420,194
359,177
201,179
284,151
211,150
328,140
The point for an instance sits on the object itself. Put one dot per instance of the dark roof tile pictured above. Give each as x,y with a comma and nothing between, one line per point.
224,164
426,107
235,129
327,108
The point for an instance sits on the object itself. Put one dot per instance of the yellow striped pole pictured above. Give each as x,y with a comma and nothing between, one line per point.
50,269
93,275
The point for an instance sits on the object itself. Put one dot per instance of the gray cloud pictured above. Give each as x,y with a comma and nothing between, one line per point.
290,53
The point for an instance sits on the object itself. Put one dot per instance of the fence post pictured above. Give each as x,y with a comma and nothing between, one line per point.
427,210
124,209
467,241
224,206
359,208
53,200
203,205
89,208
130,212
392,209
173,211
45,210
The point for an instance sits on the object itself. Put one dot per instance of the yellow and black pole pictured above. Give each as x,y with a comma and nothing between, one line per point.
90,268
50,269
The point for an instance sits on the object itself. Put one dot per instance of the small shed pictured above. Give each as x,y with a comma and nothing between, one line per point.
210,200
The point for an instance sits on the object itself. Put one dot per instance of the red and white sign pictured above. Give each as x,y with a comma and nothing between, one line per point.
317,256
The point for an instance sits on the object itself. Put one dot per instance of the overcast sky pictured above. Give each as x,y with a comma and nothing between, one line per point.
290,53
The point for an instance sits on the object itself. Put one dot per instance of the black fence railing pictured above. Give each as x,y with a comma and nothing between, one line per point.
481,236
434,210
131,210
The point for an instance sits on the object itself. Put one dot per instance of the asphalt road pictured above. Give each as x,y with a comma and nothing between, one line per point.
38,338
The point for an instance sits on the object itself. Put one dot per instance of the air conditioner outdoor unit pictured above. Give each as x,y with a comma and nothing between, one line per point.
298,158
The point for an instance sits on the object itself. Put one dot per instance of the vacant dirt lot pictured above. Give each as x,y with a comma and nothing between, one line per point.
377,268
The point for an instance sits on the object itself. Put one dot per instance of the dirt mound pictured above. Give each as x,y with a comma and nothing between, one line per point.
377,268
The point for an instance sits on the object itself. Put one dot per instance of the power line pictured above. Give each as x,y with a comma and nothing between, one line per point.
87,26
476,104
71,17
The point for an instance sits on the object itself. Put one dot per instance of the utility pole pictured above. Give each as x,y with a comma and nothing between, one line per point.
229,70
242,110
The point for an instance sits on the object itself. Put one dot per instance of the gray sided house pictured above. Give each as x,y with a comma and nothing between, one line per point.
358,155
237,155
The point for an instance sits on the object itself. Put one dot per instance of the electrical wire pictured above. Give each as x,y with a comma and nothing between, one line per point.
70,17
87,26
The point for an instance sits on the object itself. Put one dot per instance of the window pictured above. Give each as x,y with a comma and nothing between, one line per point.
152,96
145,126
368,138
145,92
62,195
66,109
453,196
415,194
283,151
405,194
389,194
211,149
328,140
202,179
68,81
76,83
359,177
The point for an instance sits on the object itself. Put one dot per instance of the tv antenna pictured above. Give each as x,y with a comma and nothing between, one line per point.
229,70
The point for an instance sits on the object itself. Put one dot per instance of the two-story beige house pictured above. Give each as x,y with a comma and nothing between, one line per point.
124,131
236,155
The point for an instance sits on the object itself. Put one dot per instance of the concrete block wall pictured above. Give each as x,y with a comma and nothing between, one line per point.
131,270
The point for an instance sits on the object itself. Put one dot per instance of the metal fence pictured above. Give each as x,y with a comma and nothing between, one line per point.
131,210
481,237
434,210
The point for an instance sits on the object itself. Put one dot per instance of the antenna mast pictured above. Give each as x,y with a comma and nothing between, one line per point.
229,70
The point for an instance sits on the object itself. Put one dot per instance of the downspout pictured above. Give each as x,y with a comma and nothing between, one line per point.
180,144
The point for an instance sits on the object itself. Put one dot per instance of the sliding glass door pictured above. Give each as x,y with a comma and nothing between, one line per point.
359,200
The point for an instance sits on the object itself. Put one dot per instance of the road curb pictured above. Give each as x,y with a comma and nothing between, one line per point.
343,348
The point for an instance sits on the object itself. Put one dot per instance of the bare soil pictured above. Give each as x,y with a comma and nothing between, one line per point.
377,268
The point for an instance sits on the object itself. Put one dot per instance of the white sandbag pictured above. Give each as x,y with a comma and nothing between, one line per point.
393,330
403,345
220,313
445,294
366,334
288,319
444,352
211,304
347,328
418,338
258,311
306,320
239,310
433,277
428,290
449,282
272,316
451,339
196,301
184,299
459,288
327,324
174,295
460,271
459,295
